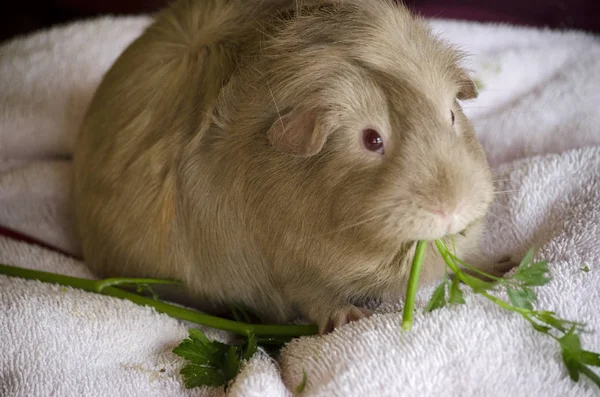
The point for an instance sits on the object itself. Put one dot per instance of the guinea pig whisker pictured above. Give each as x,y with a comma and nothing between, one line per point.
275,103
324,154
353,225
506,191
512,227
261,26
501,205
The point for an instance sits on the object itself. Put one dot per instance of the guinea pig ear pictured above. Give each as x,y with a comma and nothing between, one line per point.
297,133
467,88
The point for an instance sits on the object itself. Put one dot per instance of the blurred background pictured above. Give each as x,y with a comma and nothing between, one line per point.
21,17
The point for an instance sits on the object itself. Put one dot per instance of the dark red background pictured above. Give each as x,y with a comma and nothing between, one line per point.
18,17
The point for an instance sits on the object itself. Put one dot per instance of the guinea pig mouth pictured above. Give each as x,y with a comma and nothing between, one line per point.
466,229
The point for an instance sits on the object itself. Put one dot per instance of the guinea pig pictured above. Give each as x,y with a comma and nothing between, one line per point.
281,155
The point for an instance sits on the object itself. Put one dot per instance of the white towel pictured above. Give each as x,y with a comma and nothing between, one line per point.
538,104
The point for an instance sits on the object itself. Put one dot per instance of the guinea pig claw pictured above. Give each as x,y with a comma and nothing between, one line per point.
494,268
504,266
344,316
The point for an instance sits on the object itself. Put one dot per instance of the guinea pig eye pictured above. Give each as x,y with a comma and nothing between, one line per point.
452,116
372,140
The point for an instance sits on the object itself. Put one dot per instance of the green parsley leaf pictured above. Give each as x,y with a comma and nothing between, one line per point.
519,298
198,349
557,323
590,374
590,358
456,295
572,365
251,347
531,295
195,375
533,275
211,363
526,259
478,285
231,364
571,353
438,298
548,318
302,385
541,328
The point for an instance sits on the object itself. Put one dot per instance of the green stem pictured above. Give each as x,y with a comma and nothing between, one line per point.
443,250
181,313
584,369
448,258
413,285
473,268
451,261
507,306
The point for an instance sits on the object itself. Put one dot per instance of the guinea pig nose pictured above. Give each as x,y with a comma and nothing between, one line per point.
449,218
440,213
444,211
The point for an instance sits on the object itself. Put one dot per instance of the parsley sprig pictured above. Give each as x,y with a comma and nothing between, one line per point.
212,363
208,363
117,288
521,300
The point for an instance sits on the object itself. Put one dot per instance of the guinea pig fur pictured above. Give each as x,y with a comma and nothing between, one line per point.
282,155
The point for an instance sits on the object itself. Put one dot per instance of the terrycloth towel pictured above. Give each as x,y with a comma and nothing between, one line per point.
538,105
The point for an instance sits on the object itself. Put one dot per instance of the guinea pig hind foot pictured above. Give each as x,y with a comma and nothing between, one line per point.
328,311
341,317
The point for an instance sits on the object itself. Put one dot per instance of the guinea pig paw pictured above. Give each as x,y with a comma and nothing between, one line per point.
504,266
494,268
501,267
344,316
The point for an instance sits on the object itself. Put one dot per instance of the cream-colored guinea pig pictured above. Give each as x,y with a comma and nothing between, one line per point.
282,155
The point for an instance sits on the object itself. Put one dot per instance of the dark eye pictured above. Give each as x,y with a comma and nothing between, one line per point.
372,140
452,115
